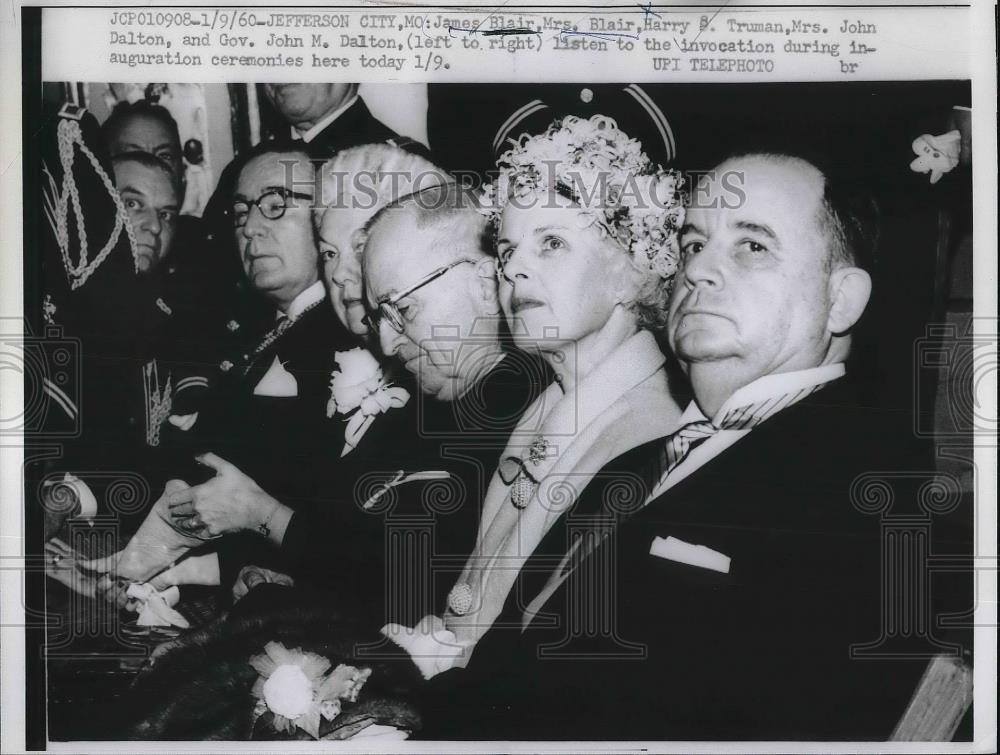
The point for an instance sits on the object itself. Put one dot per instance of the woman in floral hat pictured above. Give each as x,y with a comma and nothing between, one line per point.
586,230
587,247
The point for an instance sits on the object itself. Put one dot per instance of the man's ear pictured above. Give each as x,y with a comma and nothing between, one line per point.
850,288
486,280
358,240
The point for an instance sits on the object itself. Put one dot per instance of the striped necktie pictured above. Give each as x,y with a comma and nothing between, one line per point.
671,452
677,447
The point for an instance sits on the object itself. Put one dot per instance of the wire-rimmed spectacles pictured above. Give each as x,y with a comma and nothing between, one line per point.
388,311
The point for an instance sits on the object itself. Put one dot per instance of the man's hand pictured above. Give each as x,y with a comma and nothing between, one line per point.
229,502
62,564
192,570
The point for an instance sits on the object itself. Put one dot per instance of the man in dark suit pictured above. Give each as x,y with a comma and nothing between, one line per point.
266,411
328,117
742,593
384,539
321,120
274,385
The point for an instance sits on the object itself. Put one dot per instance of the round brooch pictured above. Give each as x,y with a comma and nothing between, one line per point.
460,599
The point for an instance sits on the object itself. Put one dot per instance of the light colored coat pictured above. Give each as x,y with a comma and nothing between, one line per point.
624,402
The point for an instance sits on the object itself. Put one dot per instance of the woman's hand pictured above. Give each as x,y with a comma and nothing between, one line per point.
229,502
432,647
62,564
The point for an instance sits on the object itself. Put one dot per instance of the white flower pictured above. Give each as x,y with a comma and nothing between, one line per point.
359,385
288,691
298,690
358,376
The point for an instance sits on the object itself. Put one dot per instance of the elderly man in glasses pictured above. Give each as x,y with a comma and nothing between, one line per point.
432,278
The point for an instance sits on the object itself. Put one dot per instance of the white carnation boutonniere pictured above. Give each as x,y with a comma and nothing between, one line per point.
360,390
299,690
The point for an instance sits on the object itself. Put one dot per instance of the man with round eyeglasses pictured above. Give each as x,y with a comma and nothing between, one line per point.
271,214
267,409
272,392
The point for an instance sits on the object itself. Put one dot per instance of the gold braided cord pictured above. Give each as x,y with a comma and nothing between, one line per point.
58,207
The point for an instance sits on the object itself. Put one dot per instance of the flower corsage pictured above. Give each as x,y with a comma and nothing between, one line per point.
299,690
360,390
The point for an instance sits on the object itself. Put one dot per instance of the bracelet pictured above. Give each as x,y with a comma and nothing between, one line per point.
264,527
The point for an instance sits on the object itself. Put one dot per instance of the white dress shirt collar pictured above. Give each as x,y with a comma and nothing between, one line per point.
322,123
305,299
769,386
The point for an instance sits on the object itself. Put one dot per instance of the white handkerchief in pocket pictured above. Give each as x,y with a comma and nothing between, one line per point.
673,549
277,382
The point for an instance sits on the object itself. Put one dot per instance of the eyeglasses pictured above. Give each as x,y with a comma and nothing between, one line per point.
272,205
388,311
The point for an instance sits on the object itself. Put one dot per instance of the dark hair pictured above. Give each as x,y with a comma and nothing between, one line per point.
848,214
279,147
124,111
147,160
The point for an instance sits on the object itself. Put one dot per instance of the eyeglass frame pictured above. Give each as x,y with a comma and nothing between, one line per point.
285,195
387,310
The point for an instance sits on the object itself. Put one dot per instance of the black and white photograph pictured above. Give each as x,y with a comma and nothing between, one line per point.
501,414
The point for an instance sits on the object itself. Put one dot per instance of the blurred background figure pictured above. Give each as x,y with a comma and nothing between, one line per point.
145,127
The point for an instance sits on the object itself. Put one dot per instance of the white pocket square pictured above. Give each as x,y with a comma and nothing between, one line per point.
673,549
277,382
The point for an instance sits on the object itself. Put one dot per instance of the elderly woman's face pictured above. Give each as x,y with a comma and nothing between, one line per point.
560,278
339,234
